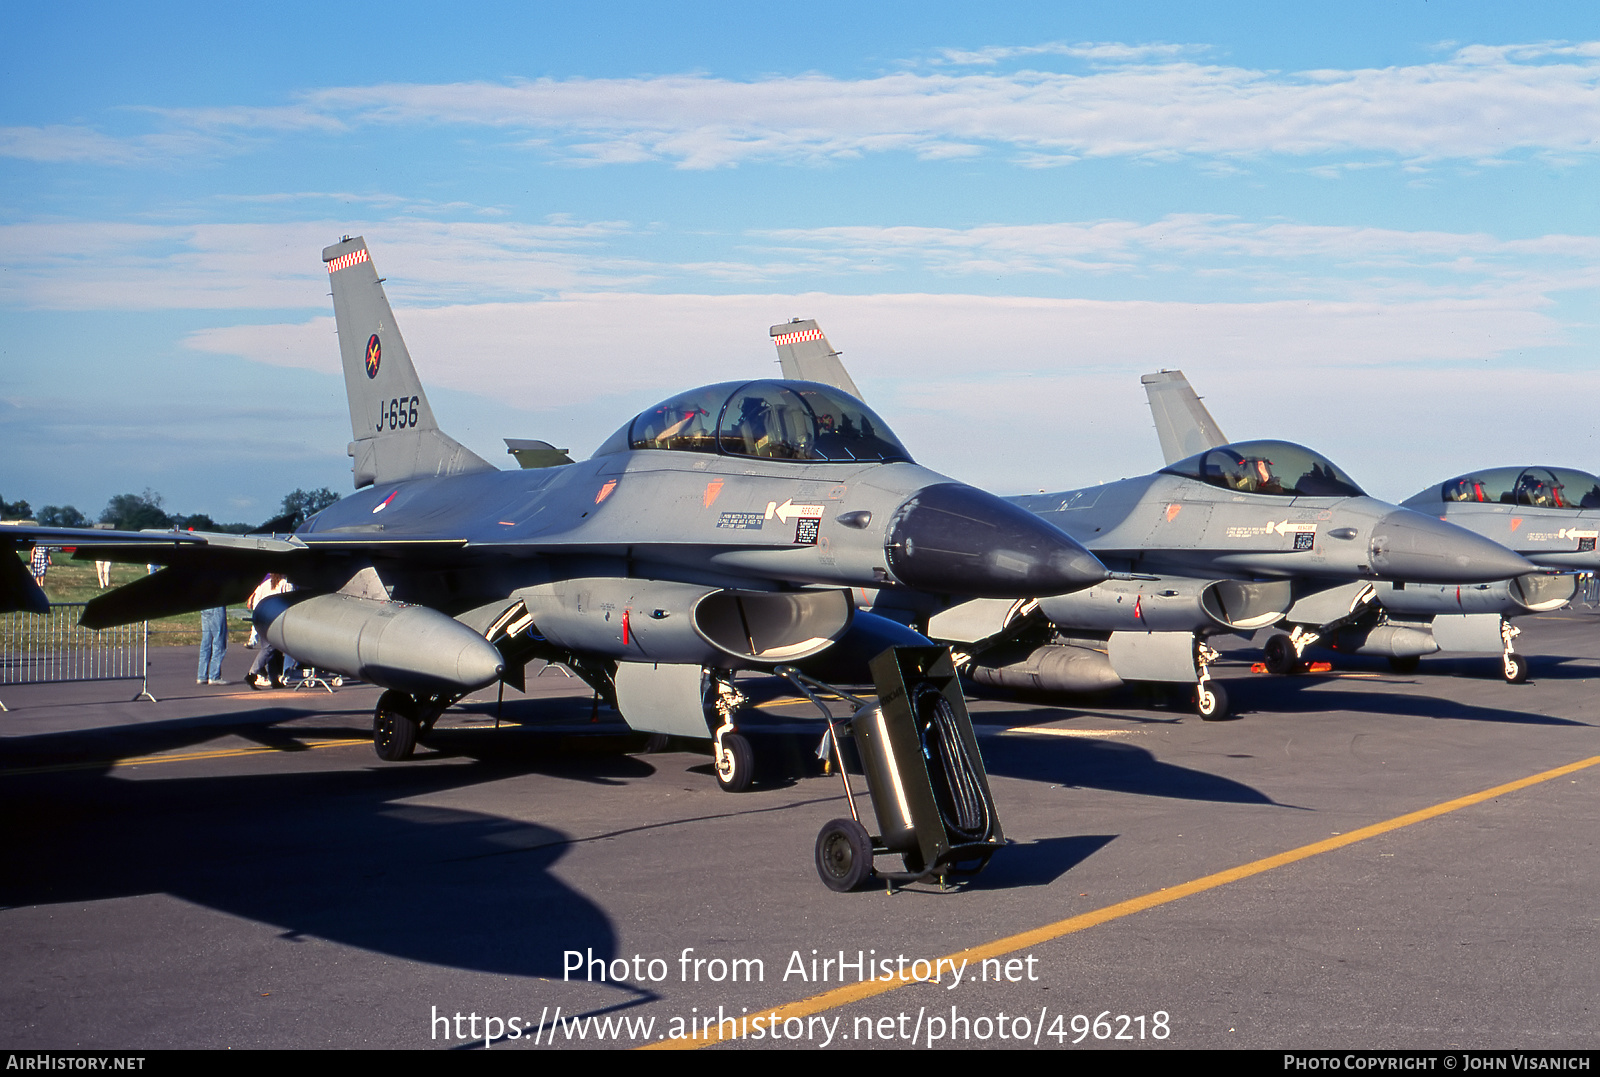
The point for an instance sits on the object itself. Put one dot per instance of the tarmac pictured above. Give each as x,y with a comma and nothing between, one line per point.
1361,860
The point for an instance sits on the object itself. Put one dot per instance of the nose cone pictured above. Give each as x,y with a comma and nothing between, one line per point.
954,539
1410,546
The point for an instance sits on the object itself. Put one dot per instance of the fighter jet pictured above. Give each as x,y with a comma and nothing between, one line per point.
719,530
1548,515
1224,540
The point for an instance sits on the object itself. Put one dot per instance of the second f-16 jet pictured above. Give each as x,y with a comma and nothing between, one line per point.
720,530
1547,515
1227,539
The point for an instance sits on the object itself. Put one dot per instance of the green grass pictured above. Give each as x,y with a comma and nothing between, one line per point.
75,581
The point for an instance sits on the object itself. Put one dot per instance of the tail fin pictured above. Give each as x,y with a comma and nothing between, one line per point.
1182,422
805,355
396,436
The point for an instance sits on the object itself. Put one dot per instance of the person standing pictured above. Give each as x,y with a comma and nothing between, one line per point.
39,564
102,570
269,659
213,645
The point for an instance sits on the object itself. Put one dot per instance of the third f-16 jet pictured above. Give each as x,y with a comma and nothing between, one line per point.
1547,515
722,529
1226,539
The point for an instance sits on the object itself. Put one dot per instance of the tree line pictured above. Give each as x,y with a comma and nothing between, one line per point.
140,512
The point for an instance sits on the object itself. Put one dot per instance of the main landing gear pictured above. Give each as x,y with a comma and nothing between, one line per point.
401,719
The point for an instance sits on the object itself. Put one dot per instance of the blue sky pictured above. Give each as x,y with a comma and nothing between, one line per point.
1370,229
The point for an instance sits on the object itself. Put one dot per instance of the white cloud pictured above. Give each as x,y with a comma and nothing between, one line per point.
124,266
1484,102
1481,102
1013,393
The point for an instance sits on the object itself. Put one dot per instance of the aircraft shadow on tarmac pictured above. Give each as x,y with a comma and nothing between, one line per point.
1108,764
1297,696
324,854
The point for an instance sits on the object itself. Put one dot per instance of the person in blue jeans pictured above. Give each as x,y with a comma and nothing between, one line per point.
213,645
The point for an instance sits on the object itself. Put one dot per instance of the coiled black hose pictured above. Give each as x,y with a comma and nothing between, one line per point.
957,788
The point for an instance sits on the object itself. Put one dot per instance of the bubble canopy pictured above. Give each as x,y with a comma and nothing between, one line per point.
1538,487
1279,468
767,420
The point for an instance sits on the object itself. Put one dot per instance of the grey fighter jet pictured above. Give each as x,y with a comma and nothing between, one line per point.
1224,540
1548,515
719,530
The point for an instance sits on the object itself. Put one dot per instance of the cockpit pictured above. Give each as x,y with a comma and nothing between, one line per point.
767,420
1536,487
1267,467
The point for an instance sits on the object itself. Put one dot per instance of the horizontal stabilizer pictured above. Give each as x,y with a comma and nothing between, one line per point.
804,354
17,589
1183,424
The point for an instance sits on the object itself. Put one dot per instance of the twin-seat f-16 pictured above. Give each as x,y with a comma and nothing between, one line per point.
1547,515
1225,539
717,531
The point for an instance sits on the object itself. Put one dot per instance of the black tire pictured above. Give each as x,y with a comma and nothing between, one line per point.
844,855
1514,667
736,764
394,726
656,743
1211,701
1406,664
1280,657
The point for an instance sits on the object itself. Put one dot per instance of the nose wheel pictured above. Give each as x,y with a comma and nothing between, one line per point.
1211,701
1515,668
736,762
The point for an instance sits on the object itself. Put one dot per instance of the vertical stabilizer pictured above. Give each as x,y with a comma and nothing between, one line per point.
396,436
1182,422
805,355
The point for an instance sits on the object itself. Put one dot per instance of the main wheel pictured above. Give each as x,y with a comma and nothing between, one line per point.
1405,664
1515,668
1281,658
394,726
736,763
844,855
1211,701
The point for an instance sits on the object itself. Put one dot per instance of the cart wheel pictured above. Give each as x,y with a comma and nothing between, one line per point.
1281,659
394,726
736,763
656,743
1515,668
1211,701
844,855
337,682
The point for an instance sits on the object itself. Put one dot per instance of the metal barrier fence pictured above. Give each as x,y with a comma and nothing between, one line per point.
47,648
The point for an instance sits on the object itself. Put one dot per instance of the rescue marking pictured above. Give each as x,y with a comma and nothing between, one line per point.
713,488
843,996
605,491
795,338
345,261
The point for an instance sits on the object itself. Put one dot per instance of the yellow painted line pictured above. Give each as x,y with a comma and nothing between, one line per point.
1051,731
181,757
843,996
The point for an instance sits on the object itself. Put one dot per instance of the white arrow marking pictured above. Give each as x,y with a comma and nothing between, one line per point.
790,511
